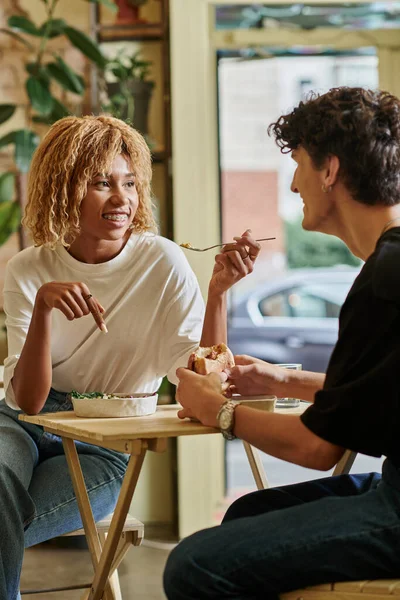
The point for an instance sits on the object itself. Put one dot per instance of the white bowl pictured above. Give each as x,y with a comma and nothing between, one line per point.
136,405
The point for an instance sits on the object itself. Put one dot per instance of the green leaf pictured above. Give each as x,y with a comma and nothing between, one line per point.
7,139
52,28
7,186
10,218
26,142
17,37
23,24
6,112
39,72
58,112
39,95
109,3
89,48
65,76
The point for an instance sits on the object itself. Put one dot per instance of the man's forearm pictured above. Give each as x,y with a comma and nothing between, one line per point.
215,326
302,384
285,437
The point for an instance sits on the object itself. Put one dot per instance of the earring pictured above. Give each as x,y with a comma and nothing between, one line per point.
325,189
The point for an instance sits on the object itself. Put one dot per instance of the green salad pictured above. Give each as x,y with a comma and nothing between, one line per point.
75,394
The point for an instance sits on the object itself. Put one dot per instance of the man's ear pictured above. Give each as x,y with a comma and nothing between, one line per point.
332,170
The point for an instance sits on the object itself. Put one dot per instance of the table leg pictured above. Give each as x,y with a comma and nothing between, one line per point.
256,466
92,536
117,523
345,463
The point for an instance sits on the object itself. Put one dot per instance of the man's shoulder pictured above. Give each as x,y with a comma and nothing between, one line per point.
385,272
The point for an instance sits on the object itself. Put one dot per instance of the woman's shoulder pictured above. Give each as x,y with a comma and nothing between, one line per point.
166,249
33,256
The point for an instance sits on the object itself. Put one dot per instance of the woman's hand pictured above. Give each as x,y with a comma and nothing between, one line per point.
252,376
73,299
234,262
200,396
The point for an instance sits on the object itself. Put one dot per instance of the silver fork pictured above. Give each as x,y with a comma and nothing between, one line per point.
187,246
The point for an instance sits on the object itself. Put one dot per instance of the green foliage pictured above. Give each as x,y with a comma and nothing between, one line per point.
41,77
81,41
10,217
313,249
125,67
7,182
6,112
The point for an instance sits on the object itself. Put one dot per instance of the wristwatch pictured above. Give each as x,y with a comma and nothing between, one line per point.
226,419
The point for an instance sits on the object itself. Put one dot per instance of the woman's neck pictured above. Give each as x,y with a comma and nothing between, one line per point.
96,251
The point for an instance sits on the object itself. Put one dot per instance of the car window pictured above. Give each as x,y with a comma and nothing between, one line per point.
275,306
308,301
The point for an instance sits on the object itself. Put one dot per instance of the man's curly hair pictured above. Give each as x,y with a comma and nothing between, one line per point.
361,127
72,153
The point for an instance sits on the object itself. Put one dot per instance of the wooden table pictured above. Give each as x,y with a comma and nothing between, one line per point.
132,436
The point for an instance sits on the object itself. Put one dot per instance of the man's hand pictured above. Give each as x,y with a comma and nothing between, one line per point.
200,396
234,262
252,376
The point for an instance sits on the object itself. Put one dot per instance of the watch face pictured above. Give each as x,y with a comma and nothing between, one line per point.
225,420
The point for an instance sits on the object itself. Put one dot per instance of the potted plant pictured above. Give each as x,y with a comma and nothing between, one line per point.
128,89
46,71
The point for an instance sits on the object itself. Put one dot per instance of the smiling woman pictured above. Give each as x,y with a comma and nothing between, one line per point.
96,254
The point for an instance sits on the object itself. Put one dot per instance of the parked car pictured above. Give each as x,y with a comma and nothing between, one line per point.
293,319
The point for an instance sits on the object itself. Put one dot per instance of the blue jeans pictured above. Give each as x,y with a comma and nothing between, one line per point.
334,529
37,500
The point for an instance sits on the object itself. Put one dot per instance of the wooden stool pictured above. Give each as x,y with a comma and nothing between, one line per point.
132,535
378,589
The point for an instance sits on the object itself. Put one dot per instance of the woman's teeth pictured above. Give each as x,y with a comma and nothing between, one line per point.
115,217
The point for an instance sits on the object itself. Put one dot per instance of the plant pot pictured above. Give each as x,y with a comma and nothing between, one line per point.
127,13
140,93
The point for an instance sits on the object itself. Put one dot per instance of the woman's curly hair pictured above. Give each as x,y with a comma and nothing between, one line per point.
361,127
72,153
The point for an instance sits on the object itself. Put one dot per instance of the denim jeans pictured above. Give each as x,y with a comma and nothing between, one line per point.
37,500
334,529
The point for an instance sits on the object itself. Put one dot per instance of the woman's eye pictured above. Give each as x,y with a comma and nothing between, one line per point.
101,183
130,184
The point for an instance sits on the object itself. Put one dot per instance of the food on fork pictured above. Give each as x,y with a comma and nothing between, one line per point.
212,359
186,245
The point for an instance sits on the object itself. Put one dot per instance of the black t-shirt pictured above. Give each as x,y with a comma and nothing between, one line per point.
359,406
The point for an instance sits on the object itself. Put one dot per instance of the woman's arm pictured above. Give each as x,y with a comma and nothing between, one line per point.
234,263
32,376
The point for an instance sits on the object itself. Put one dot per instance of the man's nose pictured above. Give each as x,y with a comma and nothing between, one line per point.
293,186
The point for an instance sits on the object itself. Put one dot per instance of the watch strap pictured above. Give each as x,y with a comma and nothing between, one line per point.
227,410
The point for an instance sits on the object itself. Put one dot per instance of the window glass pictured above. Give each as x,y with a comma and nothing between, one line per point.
275,306
308,301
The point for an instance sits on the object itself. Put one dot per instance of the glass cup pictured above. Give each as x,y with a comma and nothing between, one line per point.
288,402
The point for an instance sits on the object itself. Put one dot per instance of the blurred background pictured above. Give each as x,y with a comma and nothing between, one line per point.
202,80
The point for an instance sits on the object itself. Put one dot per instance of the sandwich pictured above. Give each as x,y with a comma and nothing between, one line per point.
212,359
